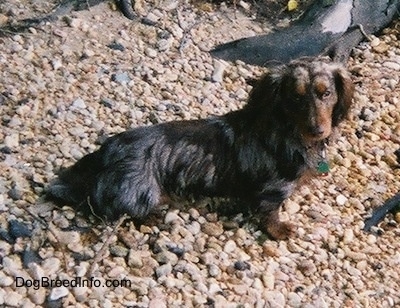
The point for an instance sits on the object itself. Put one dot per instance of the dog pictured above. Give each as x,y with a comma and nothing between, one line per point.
257,154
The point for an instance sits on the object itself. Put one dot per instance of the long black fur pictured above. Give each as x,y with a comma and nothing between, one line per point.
256,154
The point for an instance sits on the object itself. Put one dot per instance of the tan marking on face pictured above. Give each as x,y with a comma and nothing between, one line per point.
321,85
302,78
301,88
324,119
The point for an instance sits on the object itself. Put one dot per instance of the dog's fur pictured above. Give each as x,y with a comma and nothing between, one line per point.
256,154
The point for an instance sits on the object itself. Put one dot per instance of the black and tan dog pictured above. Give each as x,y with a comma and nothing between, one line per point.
257,154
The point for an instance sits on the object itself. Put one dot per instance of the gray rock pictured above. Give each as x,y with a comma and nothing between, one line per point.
166,257
18,229
16,193
214,270
121,77
79,103
30,256
119,251
12,141
163,270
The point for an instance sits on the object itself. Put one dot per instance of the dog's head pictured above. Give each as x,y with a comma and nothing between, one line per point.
314,94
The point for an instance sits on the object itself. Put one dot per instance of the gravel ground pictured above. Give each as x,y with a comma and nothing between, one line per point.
68,84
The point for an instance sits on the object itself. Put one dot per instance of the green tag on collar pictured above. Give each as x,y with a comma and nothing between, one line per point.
323,167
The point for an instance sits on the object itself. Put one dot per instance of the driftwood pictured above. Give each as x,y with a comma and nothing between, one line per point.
323,30
391,205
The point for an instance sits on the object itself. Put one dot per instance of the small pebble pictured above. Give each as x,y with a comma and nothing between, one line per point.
241,265
122,78
230,246
6,281
134,259
30,256
18,229
51,265
15,193
291,207
163,270
107,103
348,236
371,239
392,65
80,293
119,251
294,300
79,103
151,52
116,272
58,292
341,200
268,280
56,63
307,267
397,217
166,257
275,298
179,252
37,297
212,228
172,217
12,141
5,236
214,270
116,46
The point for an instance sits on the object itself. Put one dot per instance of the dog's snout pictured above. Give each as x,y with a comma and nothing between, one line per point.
317,130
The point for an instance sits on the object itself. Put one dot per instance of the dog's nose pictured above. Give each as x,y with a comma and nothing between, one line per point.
317,130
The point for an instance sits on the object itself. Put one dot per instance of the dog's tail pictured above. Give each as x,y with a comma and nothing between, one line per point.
73,185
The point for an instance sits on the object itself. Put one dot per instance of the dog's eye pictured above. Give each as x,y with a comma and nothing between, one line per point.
326,94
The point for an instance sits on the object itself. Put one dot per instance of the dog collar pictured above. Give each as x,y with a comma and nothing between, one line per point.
323,165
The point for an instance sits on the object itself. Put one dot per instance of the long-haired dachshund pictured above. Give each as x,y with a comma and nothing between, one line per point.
256,154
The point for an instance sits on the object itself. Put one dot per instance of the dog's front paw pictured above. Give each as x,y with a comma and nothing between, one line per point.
281,230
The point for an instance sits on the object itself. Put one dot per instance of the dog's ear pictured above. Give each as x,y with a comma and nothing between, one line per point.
345,90
265,91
